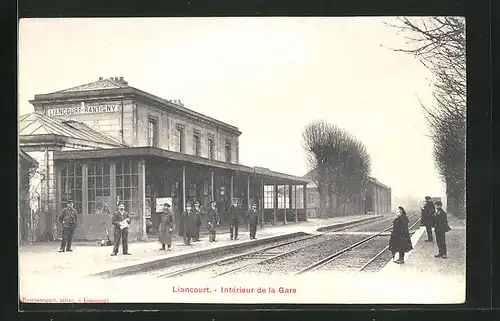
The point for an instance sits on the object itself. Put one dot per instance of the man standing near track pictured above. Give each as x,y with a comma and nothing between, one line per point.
253,218
234,219
428,217
212,221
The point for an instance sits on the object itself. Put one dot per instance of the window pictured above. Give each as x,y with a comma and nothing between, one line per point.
127,185
99,189
196,143
152,132
211,147
300,196
180,137
282,196
71,179
228,151
268,196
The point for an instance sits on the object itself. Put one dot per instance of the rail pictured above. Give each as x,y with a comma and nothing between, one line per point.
329,258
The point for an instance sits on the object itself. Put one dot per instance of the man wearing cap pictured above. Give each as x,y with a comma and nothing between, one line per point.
441,227
253,218
68,221
166,227
198,214
212,220
234,219
121,220
188,225
428,217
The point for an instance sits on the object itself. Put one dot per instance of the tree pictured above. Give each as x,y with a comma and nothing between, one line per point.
439,43
339,162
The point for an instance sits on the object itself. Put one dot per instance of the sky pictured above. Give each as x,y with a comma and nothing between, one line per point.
267,76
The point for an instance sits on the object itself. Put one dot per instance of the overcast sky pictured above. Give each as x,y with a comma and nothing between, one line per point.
267,76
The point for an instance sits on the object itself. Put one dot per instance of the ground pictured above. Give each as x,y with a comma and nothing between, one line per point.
423,279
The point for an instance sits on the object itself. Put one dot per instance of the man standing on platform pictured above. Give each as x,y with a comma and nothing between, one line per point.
188,225
121,221
234,219
212,220
68,222
198,216
441,228
253,218
428,217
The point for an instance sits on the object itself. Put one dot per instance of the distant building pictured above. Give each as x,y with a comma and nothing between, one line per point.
376,201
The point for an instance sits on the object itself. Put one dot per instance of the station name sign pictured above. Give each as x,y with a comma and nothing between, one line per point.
82,110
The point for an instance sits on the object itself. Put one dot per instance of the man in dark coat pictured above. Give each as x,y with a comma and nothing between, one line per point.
166,227
198,214
213,221
253,220
441,227
428,217
68,221
121,221
188,225
234,219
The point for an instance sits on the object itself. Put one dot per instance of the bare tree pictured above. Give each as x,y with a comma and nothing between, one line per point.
339,162
439,43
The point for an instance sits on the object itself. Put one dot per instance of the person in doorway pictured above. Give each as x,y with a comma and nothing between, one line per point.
166,227
253,220
234,219
428,217
121,221
68,221
400,240
213,221
188,225
441,227
198,214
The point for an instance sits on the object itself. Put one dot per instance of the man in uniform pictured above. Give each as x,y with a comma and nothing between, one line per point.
166,227
198,214
68,222
188,225
253,218
213,220
121,220
234,219
428,217
441,227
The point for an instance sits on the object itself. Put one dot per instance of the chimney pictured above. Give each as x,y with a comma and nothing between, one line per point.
100,78
121,79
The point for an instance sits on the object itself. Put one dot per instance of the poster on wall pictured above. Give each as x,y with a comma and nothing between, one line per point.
103,205
160,201
148,208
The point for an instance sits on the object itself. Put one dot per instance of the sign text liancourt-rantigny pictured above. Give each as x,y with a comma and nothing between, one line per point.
82,110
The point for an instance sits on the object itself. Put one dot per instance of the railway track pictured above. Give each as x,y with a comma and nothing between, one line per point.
239,262
358,256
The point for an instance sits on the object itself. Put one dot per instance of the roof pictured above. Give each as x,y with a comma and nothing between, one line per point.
162,153
38,124
110,86
104,83
313,172
30,160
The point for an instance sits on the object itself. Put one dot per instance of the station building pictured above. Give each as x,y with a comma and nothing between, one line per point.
377,200
106,141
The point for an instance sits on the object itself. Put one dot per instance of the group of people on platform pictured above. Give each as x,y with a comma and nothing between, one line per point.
432,216
189,229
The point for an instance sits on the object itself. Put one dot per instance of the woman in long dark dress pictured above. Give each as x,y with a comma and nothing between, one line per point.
400,237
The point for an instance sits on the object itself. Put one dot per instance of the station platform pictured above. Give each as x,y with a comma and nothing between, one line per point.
43,259
425,279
